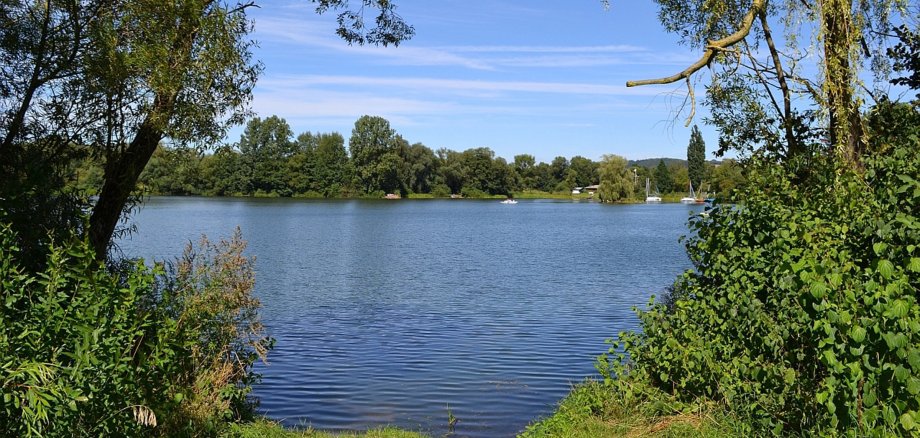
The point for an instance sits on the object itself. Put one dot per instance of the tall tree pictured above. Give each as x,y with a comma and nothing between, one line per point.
696,158
616,181
124,76
332,166
371,140
755,82
266,146
663,177
583,171
423,167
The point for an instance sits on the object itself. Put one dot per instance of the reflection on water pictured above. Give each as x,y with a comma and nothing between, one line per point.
385,313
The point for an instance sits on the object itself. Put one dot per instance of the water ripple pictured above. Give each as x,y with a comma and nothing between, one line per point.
386,313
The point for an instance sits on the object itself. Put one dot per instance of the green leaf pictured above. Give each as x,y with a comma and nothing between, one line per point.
818,290
913,385
898,309
858,334
901,373
886,268
789,376
879,247
895,340
914,360
907,421
914,265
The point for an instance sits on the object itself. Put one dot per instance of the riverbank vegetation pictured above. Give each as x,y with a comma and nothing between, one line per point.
267,429
269,161
800,316
92,344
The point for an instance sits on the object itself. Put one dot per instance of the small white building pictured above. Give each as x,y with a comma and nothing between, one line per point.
576,191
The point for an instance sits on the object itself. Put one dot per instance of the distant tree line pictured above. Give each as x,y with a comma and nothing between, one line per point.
269,160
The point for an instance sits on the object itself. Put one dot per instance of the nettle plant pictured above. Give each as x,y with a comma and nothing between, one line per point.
131,351
801,312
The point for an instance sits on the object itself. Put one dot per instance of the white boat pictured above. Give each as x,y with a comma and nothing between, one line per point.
509,201
689,199
649,199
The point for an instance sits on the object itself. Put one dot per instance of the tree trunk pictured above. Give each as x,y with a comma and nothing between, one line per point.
121,174
845,124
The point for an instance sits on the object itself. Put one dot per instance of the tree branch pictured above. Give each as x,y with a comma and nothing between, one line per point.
712,47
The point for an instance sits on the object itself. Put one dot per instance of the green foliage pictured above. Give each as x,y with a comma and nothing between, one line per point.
696,158
88,352
175,171
389,27
663,177
727,179
591,410
905,57
617,183
267,429
801,314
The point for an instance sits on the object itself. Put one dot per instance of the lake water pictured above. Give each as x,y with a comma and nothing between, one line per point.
393,312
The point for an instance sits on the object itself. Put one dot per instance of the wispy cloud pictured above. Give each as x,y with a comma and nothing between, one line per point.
314,34
311,33
432,85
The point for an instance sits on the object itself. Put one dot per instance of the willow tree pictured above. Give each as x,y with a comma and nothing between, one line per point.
117,78
758,77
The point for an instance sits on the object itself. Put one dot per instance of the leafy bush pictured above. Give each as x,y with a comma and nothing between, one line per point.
801,314
87,351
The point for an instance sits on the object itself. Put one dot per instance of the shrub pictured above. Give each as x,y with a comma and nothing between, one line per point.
801,312
88,351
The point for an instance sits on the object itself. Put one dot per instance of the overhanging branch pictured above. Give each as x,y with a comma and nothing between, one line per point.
712,47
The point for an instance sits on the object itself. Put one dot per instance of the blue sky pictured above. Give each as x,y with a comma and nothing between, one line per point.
519,76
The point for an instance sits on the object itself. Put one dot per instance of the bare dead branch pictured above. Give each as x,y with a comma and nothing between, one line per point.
692,103
712,47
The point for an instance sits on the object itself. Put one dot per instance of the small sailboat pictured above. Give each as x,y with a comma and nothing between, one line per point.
689,199
649,198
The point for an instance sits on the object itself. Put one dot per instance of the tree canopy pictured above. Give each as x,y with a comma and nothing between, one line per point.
114,79
696,158
755,81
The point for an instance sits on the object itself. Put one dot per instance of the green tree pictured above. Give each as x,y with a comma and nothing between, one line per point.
371,139
582,172
543,177
559,166
300,173
524,166
696,158
663,177
173,172
266,146
124,76
333,171
478,170
727,177
451,172
680,180
616,180
905,56
758,77
226,174
423,168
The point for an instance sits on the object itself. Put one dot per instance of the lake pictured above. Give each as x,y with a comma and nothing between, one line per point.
393,312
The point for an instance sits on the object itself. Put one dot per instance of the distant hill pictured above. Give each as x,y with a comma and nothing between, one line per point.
651,163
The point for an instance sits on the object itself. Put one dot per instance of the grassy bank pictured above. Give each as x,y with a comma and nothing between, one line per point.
590,410
593,410
268,429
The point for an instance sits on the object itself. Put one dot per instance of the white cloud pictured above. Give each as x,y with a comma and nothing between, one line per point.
440,86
